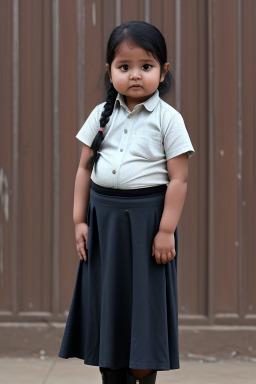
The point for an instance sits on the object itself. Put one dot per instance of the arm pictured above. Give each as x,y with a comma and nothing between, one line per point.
82,187
81,200
177,168
174,201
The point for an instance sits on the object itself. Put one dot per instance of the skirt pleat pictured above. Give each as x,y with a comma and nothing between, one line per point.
124,310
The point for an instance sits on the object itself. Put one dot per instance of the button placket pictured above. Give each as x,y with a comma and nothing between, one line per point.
123,145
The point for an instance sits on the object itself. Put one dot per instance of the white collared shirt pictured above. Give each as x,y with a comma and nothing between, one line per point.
136,144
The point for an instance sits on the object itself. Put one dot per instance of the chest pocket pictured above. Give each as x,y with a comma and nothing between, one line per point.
149,148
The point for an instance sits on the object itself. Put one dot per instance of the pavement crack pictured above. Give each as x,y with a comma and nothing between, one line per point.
49,372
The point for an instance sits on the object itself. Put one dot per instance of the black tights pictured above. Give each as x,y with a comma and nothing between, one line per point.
138,373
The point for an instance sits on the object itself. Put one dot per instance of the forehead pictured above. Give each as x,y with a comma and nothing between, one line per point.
129,50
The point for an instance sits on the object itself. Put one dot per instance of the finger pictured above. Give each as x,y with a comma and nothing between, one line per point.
153,250
79,255
78,251
81,244
158,257
84,254
164,258
169,256
81,251
85,250
173,253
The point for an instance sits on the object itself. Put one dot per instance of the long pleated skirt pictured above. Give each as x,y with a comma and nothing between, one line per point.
124,310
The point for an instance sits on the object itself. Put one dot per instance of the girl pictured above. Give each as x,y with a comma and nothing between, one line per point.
129,193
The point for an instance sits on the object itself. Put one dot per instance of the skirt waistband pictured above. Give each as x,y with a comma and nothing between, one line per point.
128,192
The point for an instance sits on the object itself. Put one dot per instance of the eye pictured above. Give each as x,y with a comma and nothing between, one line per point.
146,66
124,67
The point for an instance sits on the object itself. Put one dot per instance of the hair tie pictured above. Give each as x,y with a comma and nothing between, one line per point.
101,129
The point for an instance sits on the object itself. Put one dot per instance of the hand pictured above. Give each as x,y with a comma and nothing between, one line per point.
164,244
81,231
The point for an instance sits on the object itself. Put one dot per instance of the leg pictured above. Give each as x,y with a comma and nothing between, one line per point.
113,375
145,376
140,373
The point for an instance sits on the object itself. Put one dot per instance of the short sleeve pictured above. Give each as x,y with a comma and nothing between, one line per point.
176,138
91,126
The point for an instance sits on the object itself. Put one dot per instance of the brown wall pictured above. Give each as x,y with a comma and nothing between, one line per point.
51,76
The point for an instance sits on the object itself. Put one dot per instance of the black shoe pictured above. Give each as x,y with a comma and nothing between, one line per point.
149,379
116,376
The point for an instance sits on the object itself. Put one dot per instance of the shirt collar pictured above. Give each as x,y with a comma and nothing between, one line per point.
149,104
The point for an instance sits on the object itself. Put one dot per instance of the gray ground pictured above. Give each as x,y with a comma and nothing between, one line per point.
53,370
208,355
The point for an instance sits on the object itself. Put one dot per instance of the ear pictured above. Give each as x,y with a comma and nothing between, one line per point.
108,69
164,71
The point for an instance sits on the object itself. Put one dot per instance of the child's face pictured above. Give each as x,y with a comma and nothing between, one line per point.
135,73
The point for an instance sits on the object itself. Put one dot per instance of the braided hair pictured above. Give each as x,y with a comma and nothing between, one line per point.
145,36
104,119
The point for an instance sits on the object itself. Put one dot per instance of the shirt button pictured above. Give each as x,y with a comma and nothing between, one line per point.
114,171
121,150
125,131
129,116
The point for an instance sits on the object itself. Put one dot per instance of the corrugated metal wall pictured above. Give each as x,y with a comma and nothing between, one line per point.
51,76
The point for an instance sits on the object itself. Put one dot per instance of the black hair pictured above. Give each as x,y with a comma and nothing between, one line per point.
145,36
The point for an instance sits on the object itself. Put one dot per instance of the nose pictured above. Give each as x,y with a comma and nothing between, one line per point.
135,75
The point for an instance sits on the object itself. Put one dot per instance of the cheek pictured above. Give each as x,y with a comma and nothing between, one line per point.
119,78
154,79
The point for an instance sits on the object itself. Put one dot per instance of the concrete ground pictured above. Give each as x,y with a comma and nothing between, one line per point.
54,370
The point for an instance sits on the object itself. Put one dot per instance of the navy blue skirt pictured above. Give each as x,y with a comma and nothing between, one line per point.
124,310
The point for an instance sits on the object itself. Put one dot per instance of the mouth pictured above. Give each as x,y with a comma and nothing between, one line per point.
135,86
